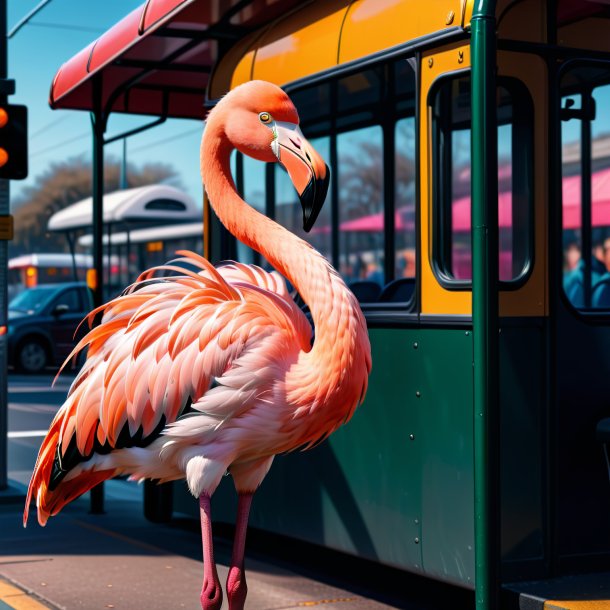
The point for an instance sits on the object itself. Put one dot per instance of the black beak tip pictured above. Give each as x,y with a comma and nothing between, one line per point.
312,200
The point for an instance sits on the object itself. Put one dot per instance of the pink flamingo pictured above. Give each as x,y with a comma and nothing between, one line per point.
214,370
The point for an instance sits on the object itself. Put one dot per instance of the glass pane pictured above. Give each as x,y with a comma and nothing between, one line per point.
453,247
288,210
358,98
313,105
361,221
585,171
404,222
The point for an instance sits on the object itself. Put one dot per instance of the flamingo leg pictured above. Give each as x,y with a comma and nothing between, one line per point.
211,593
237,588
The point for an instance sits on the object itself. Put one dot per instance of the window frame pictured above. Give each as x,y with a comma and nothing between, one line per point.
441,176
600,314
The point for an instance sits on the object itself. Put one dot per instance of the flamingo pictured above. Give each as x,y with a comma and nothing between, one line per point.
215,369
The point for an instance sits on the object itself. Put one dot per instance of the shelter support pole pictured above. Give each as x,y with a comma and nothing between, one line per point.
98,125
485,306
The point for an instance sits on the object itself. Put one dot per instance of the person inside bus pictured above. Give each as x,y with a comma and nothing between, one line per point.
573,280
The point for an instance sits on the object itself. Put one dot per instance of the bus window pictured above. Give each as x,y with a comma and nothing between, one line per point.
585,189
452,197
404,198
361,218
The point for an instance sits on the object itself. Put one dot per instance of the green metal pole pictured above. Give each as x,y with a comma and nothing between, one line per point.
485,305
99,127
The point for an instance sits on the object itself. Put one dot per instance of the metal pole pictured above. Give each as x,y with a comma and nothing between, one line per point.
4,210
485,305
97,493
123,181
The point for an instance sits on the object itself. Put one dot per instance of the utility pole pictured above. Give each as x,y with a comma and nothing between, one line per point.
13,166
5,90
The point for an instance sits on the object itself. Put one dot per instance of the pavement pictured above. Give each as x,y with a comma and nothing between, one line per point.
120,560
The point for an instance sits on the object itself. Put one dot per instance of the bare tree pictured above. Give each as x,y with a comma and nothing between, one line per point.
63,184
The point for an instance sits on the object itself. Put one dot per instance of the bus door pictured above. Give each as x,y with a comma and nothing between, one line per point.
446,267
581,128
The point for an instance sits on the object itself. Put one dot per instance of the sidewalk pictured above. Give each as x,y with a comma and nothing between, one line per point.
119,560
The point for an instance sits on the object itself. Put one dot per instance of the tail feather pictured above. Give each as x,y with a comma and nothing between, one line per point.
50,502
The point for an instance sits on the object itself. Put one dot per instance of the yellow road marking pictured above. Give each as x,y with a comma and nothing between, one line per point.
17,598
327,601
591,604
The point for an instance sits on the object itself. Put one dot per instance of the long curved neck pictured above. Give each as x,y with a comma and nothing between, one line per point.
335,371
294,258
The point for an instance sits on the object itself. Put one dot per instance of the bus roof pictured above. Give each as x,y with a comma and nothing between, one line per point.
138,236
145,204
50,260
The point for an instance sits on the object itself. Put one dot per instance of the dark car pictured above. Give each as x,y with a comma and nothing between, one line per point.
42,322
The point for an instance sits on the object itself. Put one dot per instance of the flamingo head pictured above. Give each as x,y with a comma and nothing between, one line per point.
260,121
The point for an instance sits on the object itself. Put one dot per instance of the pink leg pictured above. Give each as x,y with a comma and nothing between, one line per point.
237,588
211,593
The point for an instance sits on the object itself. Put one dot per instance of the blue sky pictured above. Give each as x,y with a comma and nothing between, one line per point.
36,52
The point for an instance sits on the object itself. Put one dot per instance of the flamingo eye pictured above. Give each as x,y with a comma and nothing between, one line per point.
265,118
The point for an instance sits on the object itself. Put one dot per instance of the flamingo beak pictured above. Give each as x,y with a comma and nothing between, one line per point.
306,168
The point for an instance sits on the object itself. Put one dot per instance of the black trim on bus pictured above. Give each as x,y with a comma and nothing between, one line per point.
416,299
375,319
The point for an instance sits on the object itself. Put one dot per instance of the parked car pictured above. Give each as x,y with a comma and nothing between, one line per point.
42,322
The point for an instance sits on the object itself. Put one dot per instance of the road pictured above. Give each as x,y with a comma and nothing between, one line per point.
32,403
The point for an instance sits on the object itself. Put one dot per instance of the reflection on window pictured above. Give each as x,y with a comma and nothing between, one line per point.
361,222
71,299
404,198
452,244
288,210
253,189
585,189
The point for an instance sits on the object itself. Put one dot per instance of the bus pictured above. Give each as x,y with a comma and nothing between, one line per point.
135,251
29,270
468,146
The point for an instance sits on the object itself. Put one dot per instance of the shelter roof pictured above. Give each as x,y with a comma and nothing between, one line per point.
138,236
151,204
157,60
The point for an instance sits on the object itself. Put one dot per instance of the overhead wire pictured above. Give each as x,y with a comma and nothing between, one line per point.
50,125
166,140
66,26
60,144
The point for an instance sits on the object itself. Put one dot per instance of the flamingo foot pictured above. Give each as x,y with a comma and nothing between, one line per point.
211,594
237,589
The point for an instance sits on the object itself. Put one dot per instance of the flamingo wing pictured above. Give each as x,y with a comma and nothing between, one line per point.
157,353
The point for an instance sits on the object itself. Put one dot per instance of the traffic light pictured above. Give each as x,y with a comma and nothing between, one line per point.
13,142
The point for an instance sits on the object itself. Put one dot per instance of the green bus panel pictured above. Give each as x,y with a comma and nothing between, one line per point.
395,484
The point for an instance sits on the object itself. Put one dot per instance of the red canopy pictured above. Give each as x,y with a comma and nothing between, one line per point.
157,60
600,204
600,200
